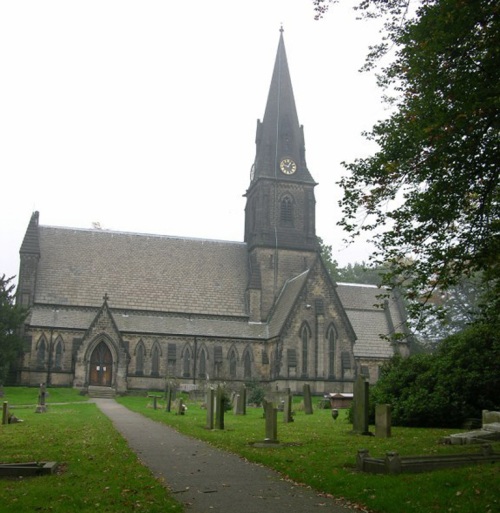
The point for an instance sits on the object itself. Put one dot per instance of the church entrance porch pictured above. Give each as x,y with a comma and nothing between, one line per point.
101,366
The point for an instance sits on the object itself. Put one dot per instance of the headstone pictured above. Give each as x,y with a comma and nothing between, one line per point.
239,402
168,398
383,420
219,408
360,406
41,408
308,409
210,408
181,408
271,423
243,393
287,407
5,412
264,405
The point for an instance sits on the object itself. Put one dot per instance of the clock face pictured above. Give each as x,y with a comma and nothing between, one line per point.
288,166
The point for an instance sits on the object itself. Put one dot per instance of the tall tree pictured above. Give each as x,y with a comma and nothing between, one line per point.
431,191
11,318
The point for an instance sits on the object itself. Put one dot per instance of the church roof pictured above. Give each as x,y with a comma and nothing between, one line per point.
371,320
141,272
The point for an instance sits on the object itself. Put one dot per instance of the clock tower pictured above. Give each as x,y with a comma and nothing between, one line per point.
280,229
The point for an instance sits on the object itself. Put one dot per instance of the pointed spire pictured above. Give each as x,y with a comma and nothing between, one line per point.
279,135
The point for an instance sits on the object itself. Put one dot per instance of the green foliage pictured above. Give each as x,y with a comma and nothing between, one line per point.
256,392
97,472
11,319
352,273
430,194
443,389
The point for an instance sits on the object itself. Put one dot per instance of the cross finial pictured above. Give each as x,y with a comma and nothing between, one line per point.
106,297
282,29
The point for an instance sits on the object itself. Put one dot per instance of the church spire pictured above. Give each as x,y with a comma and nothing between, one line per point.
279,135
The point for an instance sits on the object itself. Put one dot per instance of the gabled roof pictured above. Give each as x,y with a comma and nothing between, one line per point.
141,272
370,319
285,303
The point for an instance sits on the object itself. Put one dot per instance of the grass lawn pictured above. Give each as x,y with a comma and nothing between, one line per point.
322,454
98,471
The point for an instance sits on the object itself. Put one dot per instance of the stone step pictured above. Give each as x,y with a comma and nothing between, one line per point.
101,392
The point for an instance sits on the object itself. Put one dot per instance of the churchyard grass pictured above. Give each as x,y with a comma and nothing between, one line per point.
321,453
98,472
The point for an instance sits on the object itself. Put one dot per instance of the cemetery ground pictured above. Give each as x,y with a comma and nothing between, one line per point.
98,468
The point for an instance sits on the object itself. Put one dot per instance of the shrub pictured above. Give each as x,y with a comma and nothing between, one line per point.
443,389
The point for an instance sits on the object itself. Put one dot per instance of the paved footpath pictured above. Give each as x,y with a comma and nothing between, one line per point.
206,479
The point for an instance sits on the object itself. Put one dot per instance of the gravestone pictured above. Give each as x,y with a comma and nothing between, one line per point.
180,407
210,408
264,405
219,408
41,408
168,398
308,409
360,406
5,412
383,420
287,407
271,424
239,402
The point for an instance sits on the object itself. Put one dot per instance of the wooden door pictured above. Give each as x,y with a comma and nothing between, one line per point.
101,366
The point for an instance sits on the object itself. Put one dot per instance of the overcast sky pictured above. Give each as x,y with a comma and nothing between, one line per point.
141,115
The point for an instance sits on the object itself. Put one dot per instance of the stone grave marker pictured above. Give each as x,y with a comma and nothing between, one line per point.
42,407
360,406
239,402
308,409
210,408
219,408
271,424
383,420
168,398
181,409
5,412
287,407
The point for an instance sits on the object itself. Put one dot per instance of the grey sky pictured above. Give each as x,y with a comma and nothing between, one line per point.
127,113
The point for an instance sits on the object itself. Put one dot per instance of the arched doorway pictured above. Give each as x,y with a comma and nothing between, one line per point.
101,366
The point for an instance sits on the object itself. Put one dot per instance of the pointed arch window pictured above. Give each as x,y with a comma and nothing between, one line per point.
186,363
41,353
203,363
58,352
331,336
286,211
305,335
155,361
232,364
139,359
247,365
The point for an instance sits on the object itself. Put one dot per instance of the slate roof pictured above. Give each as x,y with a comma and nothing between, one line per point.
285,302
369,320
150,323
141,272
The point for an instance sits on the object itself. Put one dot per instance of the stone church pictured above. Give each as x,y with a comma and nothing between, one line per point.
128,310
